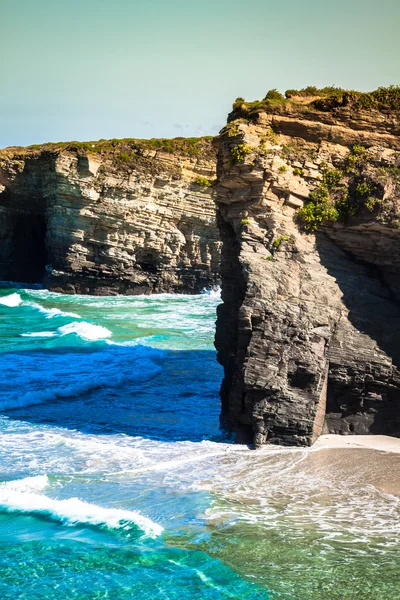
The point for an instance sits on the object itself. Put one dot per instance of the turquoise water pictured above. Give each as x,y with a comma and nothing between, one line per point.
117,483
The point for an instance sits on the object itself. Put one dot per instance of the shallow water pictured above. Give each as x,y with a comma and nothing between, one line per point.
117,482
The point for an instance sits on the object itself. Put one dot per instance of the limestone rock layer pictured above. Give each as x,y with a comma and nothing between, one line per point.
86,223
309,329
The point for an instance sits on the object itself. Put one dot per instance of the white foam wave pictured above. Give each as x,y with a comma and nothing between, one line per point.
11,300
23,497
212,293
86,331
29,484
39,334
52,312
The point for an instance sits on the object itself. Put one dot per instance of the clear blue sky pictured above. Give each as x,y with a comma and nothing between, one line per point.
90,69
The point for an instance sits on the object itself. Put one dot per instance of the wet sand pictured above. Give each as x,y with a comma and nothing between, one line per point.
368,459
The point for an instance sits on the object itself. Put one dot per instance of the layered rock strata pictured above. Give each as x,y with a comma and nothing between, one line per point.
124,218
309,329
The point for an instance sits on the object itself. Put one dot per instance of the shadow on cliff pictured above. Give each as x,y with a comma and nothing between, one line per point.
372,309
369,403
136,391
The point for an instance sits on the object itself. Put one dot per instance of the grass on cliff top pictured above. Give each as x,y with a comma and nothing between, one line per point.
321,99
123,150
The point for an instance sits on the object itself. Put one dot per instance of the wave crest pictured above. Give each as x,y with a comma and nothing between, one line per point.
11,300
22,497
86,331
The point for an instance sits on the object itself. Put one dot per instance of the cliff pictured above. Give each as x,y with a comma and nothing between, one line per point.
118,216
308,200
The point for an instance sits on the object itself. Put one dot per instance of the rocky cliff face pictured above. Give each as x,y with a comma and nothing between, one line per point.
309,216
113,217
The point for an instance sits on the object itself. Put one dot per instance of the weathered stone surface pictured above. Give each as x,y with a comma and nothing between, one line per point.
102,229
309,329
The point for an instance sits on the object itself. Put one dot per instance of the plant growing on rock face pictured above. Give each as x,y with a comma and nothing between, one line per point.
298,172
364,192
355,158
315,214
334,202
271,136
240,152
395,223
276,243
282,169
332,178
274,95
203,182
245,222
372,202
321,207
233,130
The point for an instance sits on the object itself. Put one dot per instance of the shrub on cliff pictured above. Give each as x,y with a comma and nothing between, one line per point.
311,91
240,152
382,99
314,214
203,182
321,207
335,200
275,96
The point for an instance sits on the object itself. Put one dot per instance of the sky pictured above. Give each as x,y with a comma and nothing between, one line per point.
91,69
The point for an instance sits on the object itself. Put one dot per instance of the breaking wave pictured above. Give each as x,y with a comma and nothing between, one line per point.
23,497
11,300
85,331
52,312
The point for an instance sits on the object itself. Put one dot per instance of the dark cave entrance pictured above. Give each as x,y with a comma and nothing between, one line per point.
28,257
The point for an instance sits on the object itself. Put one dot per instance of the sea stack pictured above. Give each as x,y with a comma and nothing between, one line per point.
308,200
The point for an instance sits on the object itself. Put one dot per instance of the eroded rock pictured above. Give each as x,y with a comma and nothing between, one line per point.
309,331
100,226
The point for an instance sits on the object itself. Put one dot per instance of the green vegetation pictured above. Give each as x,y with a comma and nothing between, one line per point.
203,182
314,214
126,154
271,136
332,178
355,158
382,99
298,171
127,146
274,95
279,240
282,169
240,152
123,157
312,91
321,207
298,150
245,222
325,99
335,200
372,202
233,131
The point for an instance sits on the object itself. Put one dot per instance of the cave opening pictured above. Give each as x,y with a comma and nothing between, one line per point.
28,256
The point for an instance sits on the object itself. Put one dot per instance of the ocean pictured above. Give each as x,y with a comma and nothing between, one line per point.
116,482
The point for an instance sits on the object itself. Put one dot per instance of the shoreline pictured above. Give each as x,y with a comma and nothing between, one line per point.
382,443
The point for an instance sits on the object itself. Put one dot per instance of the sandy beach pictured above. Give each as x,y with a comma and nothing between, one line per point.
367,459
383,443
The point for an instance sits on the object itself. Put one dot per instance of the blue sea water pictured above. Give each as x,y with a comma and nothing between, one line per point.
117,483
